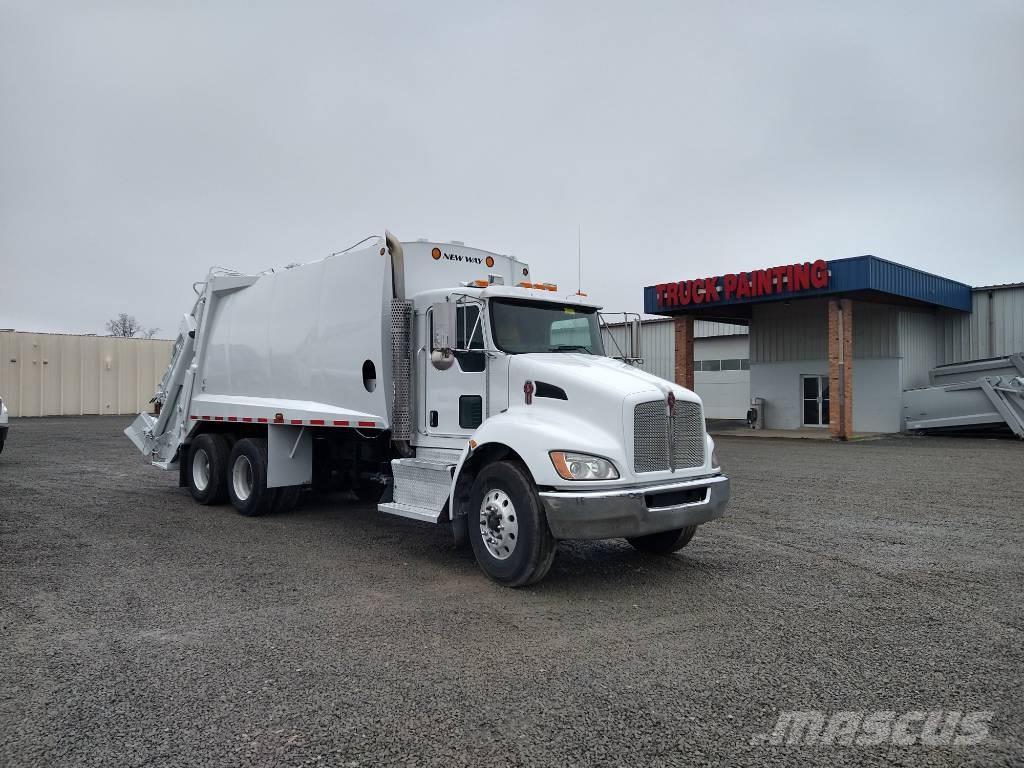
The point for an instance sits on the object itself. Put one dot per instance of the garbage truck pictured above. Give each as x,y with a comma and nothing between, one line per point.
441,382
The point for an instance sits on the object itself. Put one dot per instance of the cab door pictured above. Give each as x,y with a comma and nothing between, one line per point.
456,397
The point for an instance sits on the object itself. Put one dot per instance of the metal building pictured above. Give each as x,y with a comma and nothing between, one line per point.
838,344
50,374
721,361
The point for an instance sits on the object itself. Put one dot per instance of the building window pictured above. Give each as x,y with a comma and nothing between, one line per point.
732,364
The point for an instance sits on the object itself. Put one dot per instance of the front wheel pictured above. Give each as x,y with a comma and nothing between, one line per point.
665,542
508,528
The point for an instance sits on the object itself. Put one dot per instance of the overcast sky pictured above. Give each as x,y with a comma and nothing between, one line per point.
142,142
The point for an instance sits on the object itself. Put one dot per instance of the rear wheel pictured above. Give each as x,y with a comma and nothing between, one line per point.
665,542
247,478
206,469
508,528
286,498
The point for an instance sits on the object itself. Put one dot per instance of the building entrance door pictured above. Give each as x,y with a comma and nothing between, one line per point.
814,394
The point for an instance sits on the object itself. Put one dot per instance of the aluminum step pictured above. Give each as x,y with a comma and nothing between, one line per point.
440,455
421,487
414,513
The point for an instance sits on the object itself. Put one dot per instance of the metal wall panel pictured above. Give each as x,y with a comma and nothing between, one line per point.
47,374
797,331
703,329
968,337
919,343
875,330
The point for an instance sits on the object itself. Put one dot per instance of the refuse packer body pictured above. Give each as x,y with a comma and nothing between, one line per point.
442,383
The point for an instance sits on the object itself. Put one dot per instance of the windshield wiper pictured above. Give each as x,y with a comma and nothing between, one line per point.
569,347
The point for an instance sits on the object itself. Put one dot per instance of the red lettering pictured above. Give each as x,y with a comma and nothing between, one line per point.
671,294
729,282
742,286
777,274
801,277
789,277
659,291
684,293
695,292
711,288
762,282
819,274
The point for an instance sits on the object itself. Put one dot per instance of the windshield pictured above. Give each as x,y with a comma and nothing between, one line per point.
539,326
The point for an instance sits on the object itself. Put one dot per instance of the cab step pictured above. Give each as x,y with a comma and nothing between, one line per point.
413,513
421,486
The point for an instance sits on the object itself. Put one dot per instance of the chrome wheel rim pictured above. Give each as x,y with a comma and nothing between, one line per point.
499,524
241,478
201,470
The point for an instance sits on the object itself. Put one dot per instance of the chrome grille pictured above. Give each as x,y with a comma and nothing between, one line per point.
651,438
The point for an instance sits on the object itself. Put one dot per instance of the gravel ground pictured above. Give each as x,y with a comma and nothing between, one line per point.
139,628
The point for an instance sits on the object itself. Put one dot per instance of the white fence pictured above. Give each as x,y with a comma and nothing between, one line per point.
49,374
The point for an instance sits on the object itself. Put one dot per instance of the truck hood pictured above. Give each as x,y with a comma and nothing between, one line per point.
592,377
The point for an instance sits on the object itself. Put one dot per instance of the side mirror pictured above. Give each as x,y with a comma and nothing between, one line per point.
441,356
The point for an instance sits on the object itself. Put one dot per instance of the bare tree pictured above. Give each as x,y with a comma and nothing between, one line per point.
150,333
124,325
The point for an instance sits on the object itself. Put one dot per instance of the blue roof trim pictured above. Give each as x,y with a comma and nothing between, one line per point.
859,273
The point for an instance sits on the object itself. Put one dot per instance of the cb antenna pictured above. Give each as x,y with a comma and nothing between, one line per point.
579,259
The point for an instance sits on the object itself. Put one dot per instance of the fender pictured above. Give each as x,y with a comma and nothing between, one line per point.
532,432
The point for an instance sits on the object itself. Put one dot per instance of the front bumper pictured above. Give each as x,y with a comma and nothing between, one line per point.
637,511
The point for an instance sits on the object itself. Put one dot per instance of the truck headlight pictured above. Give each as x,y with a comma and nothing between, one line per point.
715,463
582,466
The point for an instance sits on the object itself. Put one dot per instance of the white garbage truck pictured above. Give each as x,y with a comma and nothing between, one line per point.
445,384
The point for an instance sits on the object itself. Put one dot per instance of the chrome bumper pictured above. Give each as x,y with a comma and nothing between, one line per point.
635,511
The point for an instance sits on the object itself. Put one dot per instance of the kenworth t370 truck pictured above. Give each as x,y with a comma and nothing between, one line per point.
442,382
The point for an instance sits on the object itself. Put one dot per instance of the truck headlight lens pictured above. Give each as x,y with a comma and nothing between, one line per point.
582,466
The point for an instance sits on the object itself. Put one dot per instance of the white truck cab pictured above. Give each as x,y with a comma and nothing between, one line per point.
444,383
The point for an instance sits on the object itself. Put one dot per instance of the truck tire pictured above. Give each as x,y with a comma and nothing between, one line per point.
286,498
665,542
369,492
247,478
508,528
206,469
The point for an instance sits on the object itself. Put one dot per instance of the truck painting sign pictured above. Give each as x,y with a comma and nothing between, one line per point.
733,287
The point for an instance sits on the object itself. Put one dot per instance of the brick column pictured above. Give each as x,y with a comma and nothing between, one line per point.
683,327
840,368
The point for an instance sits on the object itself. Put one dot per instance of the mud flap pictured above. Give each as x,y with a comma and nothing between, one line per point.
289,455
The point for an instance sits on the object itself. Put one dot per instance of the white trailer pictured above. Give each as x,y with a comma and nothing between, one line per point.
442,382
